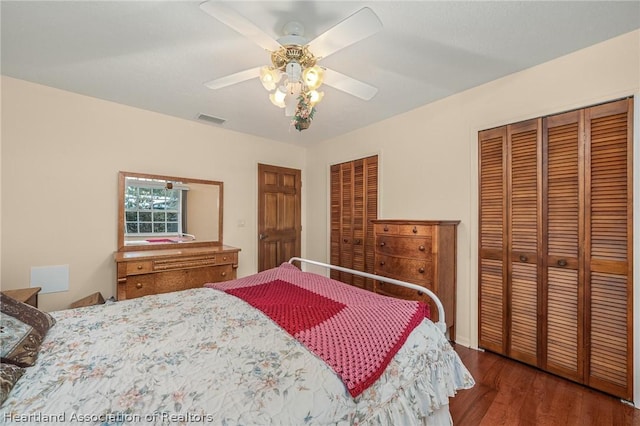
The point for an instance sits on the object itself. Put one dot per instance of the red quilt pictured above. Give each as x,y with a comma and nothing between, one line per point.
354,331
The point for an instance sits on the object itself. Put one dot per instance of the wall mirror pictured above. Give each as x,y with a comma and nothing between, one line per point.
159,212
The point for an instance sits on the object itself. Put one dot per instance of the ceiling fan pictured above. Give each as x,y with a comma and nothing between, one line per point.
294,76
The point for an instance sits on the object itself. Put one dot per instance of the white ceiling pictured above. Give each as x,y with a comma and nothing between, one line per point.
156,55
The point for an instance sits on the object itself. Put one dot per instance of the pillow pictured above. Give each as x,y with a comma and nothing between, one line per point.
22,328
9,375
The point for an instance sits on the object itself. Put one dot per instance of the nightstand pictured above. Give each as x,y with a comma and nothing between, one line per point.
25,295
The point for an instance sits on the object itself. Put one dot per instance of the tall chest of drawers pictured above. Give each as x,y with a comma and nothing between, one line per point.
145,272
421,252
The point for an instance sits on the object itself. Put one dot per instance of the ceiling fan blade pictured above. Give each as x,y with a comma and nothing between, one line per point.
356,27
230,79
349,85
234,20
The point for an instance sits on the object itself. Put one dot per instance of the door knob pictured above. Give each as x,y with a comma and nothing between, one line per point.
263,236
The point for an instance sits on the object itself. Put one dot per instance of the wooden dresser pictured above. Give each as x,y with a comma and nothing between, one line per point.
145,272
422,252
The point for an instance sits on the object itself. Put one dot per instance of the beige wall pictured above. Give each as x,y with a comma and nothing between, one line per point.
428,157
61,153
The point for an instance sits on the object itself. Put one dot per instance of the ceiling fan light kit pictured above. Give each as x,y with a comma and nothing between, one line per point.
293,78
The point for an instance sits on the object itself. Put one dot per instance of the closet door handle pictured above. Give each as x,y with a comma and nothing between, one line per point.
523,258
358,242
562,262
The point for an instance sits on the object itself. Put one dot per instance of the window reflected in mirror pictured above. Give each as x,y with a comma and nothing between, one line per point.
156,211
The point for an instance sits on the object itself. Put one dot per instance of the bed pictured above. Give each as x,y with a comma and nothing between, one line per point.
233,353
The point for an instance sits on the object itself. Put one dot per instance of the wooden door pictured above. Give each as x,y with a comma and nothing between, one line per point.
524,201
279,215
492,241
354,204
608,247
563,151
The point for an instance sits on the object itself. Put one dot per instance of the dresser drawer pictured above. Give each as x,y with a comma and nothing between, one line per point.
212,274
413,270
421,230
386,228
402,229
227,258
140,285
418,247
141,267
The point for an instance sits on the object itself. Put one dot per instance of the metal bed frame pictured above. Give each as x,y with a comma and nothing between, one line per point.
442,326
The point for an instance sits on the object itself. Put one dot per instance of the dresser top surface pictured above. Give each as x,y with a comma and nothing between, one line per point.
124,256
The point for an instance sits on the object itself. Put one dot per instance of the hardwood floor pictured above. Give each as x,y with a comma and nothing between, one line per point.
510,393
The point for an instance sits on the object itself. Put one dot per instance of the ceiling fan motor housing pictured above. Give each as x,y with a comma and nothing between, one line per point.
292,53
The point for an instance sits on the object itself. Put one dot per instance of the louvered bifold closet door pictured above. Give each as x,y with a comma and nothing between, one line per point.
524,142
336,218
371,214
354,204
563,146
608,230
346,223
492,147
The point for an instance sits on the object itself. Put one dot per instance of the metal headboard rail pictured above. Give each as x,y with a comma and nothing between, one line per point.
441,324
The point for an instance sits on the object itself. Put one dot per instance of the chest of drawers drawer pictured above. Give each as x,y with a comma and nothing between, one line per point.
403,229
418,247
418,271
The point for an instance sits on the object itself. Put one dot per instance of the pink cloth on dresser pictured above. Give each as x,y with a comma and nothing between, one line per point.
354,331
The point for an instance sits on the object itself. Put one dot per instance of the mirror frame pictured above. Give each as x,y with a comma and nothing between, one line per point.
121,191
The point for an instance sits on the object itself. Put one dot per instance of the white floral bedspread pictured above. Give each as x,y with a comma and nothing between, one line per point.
203,356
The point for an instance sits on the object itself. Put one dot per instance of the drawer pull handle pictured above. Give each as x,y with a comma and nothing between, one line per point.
386,228
421,248
139,286
523,258
382,244
224,274
382,263
224,257
415,230
419,293
139,267
421,270
562,262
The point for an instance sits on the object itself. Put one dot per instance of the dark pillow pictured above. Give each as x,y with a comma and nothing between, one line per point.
22,329
9,375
